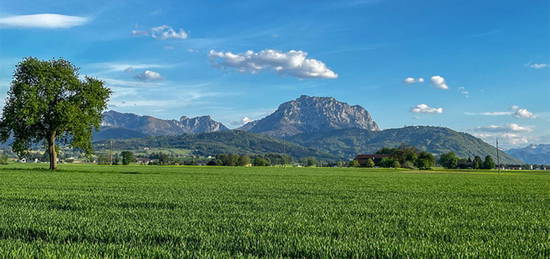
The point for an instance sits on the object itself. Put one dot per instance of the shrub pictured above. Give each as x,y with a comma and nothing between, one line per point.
396,164
369,163
353,163
408,164
260,161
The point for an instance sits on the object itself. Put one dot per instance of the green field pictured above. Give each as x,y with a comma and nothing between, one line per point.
148,211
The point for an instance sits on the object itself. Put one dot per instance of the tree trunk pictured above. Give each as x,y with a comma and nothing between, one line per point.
53,153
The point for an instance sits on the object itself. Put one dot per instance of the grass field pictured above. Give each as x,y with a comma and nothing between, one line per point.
148,211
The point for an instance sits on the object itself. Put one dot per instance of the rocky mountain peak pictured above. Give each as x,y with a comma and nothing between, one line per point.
313,114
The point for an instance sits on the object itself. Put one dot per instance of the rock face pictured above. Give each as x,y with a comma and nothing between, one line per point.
202,124
309,114
152,126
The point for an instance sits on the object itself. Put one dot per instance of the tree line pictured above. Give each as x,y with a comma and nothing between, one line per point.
451,161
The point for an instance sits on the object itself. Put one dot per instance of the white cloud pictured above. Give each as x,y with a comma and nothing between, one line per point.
505,139
165,32
516,111
111,82
512,127
439,82
539,66
293,63
409,80
412,80
110,67
522,113
149,75
241,122
514,139
424,108
489,113
46,20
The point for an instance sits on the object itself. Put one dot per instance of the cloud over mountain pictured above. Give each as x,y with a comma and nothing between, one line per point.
512,127
293,63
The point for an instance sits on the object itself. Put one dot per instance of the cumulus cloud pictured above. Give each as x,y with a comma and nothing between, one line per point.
424,108
522,113
439,82
246,120
46,21
539,66
294,63
165,32
149,75
512,127
412,80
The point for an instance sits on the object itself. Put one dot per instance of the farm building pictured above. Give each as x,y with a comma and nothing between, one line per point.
362,158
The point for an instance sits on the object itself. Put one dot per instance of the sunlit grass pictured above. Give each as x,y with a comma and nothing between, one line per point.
148,211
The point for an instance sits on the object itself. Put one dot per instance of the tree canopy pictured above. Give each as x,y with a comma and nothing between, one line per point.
48,101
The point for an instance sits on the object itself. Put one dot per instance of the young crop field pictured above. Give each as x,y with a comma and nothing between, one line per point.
149,211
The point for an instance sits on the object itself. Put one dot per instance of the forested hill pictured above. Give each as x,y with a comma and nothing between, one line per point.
204,144
349,142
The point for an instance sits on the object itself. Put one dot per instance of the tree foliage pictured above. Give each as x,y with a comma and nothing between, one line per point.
489,163
477,163
47,102
244,160
449,160
354,163
127,157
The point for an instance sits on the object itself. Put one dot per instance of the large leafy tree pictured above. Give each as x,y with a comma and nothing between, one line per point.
48,102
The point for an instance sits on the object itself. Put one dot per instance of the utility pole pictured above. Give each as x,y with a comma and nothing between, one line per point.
111,153
498,157
284,149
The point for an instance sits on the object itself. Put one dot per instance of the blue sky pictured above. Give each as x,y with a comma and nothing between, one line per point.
481,67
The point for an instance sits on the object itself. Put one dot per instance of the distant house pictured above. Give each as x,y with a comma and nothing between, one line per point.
514,167
142,161
362,159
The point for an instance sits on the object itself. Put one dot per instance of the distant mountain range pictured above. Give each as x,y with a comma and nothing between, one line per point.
532,154
118,125
311,126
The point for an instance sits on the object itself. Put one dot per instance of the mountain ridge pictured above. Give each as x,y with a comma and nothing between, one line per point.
532,154
310,114
151,126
